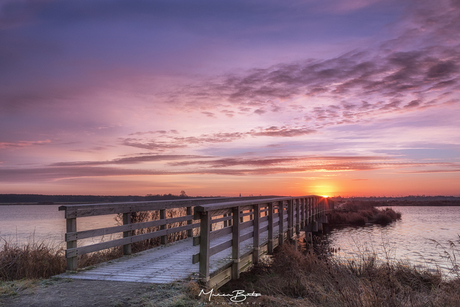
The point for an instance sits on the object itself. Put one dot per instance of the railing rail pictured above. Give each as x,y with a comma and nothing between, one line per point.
221,224
72,212
276,217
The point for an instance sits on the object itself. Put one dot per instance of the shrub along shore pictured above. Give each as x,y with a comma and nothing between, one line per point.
360,213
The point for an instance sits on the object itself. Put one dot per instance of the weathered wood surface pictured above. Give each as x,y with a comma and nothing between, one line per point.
168,263
252,227
73,211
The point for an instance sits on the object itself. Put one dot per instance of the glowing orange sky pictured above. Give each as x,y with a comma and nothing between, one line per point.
335,97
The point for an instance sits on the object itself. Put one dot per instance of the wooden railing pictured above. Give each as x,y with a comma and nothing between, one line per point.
267,221
72,212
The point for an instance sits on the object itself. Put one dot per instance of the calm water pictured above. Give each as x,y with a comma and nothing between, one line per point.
22,224
410,239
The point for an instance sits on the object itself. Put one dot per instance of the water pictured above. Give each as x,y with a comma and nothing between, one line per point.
408,239
35,223
415,238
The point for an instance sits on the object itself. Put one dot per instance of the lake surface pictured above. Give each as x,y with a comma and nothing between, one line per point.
414,238
408,239
26,223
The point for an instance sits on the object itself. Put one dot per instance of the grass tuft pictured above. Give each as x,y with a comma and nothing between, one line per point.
32,260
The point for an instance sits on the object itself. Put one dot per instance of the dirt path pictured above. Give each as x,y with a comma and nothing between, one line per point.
67,292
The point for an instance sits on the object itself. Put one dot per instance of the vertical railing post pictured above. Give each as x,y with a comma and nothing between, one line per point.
205,243
316,206
71,226
281,223
162,217
302,218
297,220
270,228
190,231
255,244
313,208
225,222
126,234
236,242
290,218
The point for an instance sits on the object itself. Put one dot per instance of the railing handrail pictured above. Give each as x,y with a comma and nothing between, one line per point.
232,204
293,213
83,210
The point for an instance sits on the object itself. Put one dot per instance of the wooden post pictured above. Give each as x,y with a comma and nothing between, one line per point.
162,217
190,231
71,226
297,220
290,219
281,223
236,242
127,221
270,228
255,244
225,222
302,218
205,243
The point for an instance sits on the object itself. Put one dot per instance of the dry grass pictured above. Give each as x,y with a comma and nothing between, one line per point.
36,260
43,259
359,213
32,260
145,216
295,279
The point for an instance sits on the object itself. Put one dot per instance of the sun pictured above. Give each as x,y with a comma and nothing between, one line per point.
322,189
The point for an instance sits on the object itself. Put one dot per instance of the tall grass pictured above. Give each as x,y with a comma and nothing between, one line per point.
360,212
31,260
145,216
295,279
43,259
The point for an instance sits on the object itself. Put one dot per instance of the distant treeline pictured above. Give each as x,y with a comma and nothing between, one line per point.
51,199
406,201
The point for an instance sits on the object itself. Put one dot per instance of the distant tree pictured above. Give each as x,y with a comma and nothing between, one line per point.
183,194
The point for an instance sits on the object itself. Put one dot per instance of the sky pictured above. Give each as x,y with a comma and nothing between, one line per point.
229,97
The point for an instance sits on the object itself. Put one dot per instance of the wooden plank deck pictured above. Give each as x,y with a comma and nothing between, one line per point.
167,263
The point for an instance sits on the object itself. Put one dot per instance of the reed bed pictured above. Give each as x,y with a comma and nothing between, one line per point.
31,260
43,259
359,213
292,278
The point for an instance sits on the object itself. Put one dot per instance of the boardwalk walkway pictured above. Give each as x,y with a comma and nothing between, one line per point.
166,263
228,235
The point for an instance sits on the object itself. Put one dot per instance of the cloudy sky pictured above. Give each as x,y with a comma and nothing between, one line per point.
329,97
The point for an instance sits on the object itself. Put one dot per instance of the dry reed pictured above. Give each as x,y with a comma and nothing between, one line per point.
295,279
43,259
31,260
359,213
145,216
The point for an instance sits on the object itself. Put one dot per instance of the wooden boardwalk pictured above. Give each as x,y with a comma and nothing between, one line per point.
167,263
225,235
